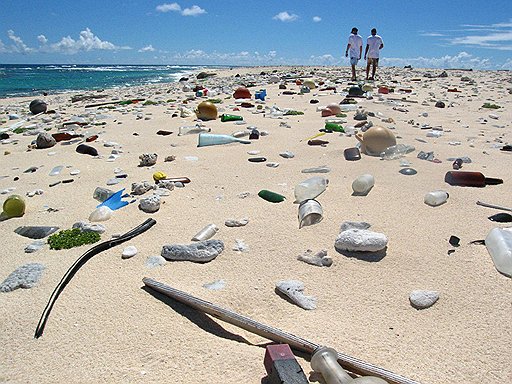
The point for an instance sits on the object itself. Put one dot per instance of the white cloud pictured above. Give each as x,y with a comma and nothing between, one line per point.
499,41
198,56
507,64
285,16
42,39
174,7
432,34
460,60
194,10
87,41
19,46
3,48
147,48
317,19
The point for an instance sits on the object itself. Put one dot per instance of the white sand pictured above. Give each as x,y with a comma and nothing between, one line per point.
106,329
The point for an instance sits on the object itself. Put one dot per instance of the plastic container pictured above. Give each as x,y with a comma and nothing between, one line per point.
469,179
436,198
101,194
310,212
225,117
310,188
14,206
363,184
188,130
206,139
499,245
396,151
206,233
334,127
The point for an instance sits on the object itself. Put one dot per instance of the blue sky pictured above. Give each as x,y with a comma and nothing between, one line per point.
423,33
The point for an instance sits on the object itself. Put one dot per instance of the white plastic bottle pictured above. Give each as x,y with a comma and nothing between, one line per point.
363,184
436,198
310,188
499,245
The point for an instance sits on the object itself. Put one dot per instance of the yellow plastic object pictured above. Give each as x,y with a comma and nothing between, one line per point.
315,136
14,206
206,111
157,176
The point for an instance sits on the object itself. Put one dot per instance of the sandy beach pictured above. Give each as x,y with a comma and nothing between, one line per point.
106,328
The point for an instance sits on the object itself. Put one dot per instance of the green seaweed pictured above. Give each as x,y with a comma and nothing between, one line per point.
491,106
292,112
70,238
215,101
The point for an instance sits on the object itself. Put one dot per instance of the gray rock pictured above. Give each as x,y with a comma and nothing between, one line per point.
45,140
167,184
294,289
360,240
129,252
354,225
287,155
150,204
26,276
319,259
240,246
321,169
141,188
423,299
34,246
35,232
155,261
89,227
236,223
200,252
147,159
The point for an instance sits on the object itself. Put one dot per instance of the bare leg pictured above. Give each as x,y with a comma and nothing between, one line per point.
353,72
367,68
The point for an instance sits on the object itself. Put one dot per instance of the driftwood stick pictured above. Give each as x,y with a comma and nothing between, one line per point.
493,206
349,363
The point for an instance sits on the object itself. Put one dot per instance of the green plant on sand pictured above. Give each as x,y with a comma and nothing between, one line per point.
292,112
491,106
70,238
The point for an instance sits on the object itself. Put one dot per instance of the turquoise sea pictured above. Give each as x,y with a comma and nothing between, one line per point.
28,80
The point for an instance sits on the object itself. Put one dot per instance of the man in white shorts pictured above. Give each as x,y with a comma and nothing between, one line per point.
355,44
374,44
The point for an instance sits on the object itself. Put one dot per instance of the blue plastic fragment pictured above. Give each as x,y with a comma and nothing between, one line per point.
114,202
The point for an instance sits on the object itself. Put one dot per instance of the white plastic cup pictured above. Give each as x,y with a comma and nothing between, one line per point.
436,198
363,184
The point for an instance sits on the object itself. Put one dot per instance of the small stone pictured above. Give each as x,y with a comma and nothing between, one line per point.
440,104
129,252
354,225
199,252
408,171
74,172
236,223
45,140
320,259
148,159
102,213
272,165
294,289
215,285
287,155
34,246
240,246
360,240
155,261
141,188
88,227
150,204
26,276
423,299
321,169
35,232
167,184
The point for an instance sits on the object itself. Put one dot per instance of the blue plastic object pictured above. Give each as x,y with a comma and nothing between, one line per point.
261,94
114,202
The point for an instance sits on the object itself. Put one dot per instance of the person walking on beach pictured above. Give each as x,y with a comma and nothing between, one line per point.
374,44
355,44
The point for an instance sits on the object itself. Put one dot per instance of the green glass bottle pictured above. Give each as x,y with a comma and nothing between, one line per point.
271,196
225,117
14,206
334,127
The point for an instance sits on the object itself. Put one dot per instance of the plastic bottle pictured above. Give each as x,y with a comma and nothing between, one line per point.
101,194
255,135
14,206
206,139
457,164
469,179
310,188
188,130
436,198
363,184
499,245
396,151
225,117
334,127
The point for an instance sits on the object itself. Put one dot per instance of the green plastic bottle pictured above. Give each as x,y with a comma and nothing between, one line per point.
334,127
225,117
14,206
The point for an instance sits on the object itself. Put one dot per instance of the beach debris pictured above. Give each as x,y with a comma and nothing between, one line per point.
89,227
436,198
216,285
236,223
129,252
310,188
206,233
423,299
501,217
240,246
376,140
242,93
270,196
155,261
206,110
147,159
26,276
470,179
35,232
354,225
45,140
320,259
207,139
294,290
70,238
150,204
310,212
281,366
408,171
200,252
501,208
37,106
14,206
396,151
85,149
257,159
143,187
34,246
363,184
499,245
102,213
360,240
321,169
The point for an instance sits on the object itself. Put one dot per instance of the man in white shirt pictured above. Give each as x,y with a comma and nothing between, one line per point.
374,44
355,44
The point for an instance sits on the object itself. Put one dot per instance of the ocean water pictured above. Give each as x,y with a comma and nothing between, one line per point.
27,80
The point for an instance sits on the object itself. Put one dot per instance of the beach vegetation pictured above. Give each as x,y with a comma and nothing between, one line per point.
71,238
292,112
491,106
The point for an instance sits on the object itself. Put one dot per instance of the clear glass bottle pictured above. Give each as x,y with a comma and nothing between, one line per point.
310,188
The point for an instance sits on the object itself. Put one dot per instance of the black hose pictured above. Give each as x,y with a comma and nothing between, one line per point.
80,262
